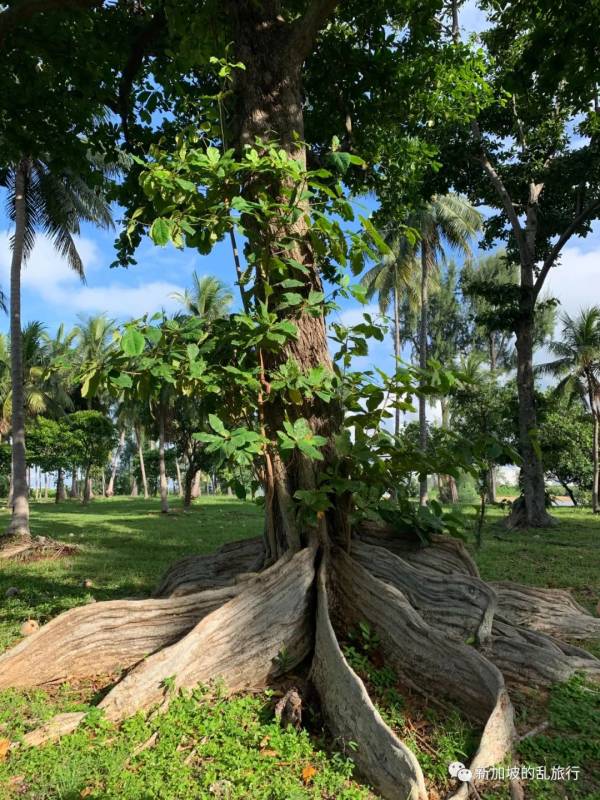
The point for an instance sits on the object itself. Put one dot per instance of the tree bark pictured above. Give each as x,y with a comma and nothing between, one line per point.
138,438
110,489
179,484
60,486
396,353
425,259
87,487
491,485
162,470
531,511
268,105
19,524
596,470
74,488
197,484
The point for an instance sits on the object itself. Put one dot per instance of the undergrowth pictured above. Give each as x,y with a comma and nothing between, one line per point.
437,737
205,746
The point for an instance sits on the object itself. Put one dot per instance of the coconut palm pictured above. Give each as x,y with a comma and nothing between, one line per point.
446,221
208,298
578,367
54,203
394,277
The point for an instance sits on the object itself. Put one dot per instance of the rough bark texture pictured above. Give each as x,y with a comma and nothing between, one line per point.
162,470
423,325
384,759
19,524
532,511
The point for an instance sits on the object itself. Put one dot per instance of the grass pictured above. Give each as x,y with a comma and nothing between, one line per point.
207,746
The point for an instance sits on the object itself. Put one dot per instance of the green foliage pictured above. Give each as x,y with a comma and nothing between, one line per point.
566,436
93,436
205,744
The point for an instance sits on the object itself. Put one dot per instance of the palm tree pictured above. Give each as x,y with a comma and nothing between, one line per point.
209,297
445,221
394,276
578,366
54,203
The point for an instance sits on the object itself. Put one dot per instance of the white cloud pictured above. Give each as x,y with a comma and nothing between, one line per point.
576,281
48,276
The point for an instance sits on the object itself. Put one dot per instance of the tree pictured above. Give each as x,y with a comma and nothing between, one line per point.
53,446
54,202
289,407
538,161
209,297
94,438
567,442
394,277
578,366
447,220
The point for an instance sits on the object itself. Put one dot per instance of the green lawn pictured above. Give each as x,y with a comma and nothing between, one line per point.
232,748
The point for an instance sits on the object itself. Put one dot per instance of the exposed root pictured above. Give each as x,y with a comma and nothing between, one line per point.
445,556
197,573
263,632
424,657
551,611
534,659
32,548
461,605
104,637
384,760
426,605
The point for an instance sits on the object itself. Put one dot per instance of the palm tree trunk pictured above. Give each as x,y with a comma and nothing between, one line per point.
423,361
110,489
197,485
60,486
87,487
162,470
179,484
138,437
596,471
19,524
396,353
74,489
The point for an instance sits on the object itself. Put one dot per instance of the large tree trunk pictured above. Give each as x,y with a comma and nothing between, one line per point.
138,438
19,524
530,509
87,487
425,266
74,488
110,489
60,486
269,106
162,469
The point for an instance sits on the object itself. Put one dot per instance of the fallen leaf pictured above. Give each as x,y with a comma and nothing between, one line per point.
86,792
308,773
4,748
269,753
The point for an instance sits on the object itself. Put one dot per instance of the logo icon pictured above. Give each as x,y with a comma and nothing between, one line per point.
458,770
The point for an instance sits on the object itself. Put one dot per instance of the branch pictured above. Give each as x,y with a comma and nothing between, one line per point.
502,192
23,11
140,48
563,239
305,30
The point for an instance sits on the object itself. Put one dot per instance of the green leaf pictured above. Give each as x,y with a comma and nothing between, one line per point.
217,425
160,232
132,342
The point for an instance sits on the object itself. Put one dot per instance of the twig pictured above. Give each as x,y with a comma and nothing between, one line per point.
534,731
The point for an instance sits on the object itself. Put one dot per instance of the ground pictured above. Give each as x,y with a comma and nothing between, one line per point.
206,747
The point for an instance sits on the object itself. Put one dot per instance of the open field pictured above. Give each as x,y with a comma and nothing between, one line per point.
232,748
